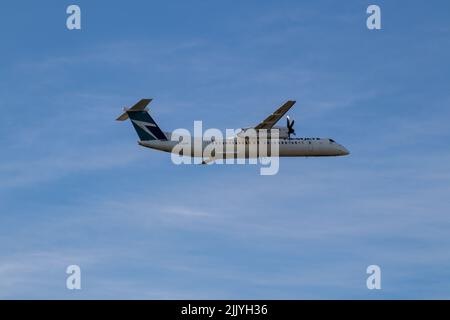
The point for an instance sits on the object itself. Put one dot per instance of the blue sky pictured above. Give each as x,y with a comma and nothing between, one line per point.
75,188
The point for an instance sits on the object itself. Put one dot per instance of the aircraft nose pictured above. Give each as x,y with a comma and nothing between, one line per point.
343,150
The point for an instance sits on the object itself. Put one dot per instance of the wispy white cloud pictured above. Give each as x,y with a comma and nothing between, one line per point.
62,163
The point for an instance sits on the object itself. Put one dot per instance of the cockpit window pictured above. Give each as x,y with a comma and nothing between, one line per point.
332,141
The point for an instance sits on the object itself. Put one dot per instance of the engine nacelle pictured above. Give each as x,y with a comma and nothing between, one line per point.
283,133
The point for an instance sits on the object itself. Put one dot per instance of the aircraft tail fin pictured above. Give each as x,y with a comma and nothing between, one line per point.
143,123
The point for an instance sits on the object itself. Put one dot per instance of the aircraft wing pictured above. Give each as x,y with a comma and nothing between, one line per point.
270,121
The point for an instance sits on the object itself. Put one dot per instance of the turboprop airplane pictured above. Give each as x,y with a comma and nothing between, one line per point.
151,136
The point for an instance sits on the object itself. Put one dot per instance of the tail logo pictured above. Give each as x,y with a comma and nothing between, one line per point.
147,128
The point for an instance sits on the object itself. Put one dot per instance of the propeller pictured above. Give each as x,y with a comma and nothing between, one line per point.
290,126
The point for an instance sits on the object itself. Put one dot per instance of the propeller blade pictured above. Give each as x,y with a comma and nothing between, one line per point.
290,126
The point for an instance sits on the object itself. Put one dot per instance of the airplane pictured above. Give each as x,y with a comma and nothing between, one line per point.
151,136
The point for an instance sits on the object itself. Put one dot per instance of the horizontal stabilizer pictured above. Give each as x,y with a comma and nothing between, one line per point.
140,106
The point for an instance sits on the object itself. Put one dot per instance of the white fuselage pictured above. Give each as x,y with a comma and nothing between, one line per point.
298,147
